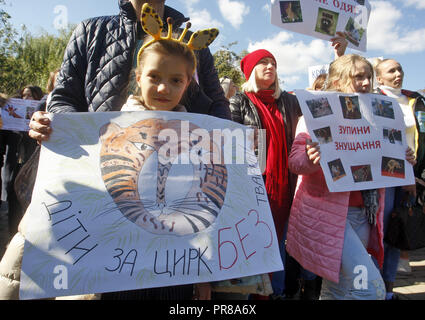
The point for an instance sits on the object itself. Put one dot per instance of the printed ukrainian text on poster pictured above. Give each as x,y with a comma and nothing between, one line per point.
323,18
362,139
135,200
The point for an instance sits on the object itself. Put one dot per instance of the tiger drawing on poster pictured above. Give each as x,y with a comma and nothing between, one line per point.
123,156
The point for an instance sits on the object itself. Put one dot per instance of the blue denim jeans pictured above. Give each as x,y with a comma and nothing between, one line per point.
359,279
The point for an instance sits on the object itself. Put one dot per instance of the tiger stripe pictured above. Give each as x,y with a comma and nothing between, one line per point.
122,158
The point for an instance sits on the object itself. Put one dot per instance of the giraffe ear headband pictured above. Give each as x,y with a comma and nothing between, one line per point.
152,25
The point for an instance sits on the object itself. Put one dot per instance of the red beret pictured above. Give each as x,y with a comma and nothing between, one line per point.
250,61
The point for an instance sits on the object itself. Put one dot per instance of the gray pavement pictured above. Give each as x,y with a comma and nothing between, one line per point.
411,286
408,286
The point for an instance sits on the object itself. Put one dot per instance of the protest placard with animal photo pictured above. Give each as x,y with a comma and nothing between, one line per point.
323,18
16,114
362,139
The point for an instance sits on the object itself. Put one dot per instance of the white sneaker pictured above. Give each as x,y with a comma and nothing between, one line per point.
404,266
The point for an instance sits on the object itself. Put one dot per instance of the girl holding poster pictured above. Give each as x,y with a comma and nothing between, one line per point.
165,67
332,234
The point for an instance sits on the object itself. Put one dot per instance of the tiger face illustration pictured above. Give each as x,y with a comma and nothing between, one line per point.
128,158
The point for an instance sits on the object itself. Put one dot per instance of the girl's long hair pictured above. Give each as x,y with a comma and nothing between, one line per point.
341,72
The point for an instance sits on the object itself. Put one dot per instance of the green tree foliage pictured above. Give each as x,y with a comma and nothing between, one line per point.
7,45
227,64
38,56
26,59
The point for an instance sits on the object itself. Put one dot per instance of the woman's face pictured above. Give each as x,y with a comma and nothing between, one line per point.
361,81
391,74
265,73
27,94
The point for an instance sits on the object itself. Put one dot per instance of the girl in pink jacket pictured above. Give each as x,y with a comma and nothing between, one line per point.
332,233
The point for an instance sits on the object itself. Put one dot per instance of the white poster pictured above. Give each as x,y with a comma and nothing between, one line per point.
323,18
135,200
315,71
16,114
362,139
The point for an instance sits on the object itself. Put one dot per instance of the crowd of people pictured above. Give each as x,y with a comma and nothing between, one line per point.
16,147
322,235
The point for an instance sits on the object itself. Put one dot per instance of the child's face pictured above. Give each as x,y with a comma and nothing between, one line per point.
361,81
163,81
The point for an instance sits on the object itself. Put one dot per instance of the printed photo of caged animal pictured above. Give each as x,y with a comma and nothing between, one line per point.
151,188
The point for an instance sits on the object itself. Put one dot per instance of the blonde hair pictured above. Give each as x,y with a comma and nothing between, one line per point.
341,72
251,85
377,65
319,82
169,47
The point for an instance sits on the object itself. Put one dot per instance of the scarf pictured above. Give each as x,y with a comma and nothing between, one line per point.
408,113
276,171
135,103
371,203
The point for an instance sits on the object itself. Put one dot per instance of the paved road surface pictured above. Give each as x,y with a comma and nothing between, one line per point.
407,286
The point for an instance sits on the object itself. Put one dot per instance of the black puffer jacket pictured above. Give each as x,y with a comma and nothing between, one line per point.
244,111
98,62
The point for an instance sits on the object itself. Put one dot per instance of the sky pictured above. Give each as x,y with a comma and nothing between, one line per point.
396,30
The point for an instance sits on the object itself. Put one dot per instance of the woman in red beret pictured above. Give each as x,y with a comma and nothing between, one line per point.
263,105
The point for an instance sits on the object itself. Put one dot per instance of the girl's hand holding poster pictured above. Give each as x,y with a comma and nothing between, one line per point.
362,139
323,18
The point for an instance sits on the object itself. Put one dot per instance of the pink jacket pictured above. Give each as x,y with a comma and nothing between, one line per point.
317,220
